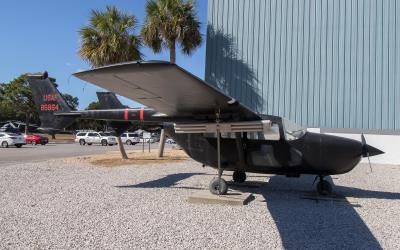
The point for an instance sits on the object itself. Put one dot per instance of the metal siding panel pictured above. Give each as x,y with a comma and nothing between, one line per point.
397,66
391,52
347,67
288,58
300,69
366,65
372,60
329,72
282,63
318,63
271,66
325,63
306,64
335,66
385,66
263,35
379,66
341,65
209,43
311,64
266,52
294,64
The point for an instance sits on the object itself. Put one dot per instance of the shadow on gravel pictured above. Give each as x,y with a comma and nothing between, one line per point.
324,224
167,181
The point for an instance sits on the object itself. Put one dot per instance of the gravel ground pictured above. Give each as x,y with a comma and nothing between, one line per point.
60,204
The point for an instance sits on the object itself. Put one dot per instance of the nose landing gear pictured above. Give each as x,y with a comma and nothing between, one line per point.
324,187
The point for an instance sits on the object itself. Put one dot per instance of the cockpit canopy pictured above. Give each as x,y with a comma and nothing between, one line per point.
293,131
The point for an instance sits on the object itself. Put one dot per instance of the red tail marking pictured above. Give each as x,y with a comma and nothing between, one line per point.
142,114
126,115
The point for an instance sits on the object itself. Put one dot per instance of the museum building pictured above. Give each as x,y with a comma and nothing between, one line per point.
322,63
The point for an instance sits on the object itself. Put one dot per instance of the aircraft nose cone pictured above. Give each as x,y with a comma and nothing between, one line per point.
373,151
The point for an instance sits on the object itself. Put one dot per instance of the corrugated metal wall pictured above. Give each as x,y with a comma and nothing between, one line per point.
322,63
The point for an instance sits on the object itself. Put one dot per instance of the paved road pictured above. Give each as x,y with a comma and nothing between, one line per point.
30,153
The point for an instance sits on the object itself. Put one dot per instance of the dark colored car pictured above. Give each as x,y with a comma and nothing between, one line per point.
36,139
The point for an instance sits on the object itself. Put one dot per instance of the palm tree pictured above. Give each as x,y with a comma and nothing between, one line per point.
109,39
167,23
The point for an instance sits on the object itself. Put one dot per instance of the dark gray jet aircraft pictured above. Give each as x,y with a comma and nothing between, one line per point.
220,132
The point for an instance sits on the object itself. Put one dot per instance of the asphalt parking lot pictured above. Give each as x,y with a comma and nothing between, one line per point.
29,153
69,204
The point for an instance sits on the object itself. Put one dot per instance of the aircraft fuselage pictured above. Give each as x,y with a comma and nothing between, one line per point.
316,154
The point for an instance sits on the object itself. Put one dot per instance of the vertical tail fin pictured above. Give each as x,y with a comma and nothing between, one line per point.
48,100
108,100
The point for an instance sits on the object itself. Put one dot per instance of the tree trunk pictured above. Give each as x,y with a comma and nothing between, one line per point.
27,116
172,59
172,53
162,144
121,148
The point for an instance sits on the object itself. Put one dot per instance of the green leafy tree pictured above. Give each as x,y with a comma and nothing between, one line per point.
171,22
109,39
72,102
17,101
93,106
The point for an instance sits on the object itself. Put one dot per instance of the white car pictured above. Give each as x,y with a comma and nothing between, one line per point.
11,139
130,138
90,138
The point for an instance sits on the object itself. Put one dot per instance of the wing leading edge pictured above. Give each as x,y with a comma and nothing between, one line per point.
168,89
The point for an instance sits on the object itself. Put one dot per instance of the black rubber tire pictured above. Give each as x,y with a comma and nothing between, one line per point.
82,142
89,144
218,186
239,176
324,188
18,145
128,142
4,144
104,143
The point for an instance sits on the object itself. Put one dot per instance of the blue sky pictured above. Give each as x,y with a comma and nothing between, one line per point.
43,35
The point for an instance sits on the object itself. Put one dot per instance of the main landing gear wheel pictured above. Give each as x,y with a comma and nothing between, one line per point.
239,176
324,187
218,186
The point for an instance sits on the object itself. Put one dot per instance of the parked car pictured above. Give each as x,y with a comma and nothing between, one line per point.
11,139
130,138
36,139
90,138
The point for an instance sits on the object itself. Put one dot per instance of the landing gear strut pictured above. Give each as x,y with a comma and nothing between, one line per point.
239,176
218,185
324,187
